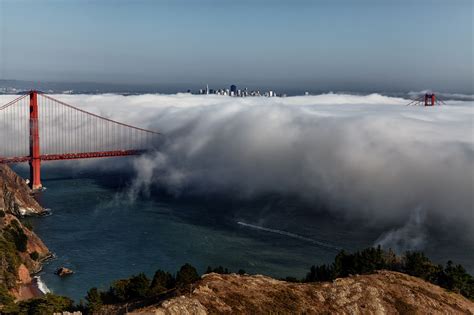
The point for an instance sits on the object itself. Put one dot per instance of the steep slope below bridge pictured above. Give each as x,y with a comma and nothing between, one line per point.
21,250
385,292
15,195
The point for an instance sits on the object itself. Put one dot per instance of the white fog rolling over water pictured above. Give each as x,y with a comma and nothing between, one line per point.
369,157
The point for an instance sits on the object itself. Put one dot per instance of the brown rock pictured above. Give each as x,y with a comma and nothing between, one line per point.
385,292
63,271
15,195
24,274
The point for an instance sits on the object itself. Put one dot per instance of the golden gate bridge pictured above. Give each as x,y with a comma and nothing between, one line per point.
36,127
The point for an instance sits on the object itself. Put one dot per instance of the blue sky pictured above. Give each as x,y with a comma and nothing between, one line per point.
331,44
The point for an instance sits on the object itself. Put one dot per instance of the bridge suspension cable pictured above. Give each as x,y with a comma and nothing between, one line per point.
42,128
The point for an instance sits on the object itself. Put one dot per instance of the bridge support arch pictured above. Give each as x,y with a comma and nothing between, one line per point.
35,159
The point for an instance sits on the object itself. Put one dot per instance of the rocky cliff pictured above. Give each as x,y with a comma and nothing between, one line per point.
21,250
384,292
15,195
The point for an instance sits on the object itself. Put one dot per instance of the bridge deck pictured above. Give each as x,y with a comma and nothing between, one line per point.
72,156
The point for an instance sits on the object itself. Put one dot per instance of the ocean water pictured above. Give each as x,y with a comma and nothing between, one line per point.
95,230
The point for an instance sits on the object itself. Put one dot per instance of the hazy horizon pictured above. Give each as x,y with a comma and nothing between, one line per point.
89,87
325,45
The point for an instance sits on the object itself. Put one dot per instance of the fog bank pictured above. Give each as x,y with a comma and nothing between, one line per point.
370,156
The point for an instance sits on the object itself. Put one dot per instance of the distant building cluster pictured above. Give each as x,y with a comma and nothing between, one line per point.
234,91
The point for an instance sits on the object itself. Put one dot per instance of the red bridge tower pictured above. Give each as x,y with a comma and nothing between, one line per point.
430,99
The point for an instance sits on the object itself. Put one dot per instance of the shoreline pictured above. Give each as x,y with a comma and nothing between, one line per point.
41,285
35,289
28,281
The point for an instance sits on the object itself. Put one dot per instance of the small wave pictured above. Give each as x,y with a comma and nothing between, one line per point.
47,212
289,234
41,285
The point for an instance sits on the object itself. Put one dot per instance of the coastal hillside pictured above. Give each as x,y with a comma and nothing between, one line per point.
21,250
385,292
15,195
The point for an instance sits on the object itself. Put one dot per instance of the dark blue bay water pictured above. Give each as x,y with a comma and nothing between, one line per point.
98,233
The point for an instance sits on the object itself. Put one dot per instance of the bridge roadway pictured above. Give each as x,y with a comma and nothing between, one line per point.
73,156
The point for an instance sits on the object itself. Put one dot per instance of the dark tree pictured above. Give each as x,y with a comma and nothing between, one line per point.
117,291
47,304
15,234
320,273
162,281
94,300
417,264
138,286
186,275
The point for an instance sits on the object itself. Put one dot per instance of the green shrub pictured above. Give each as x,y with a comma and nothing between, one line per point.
94,300
47,304
221,270
10,262
455,278
5,296
162,281
320,273
291,279
360,262
118,291
452,277
28,225
126,289
186,275
15,234
11,308
34,255
138,286
417,264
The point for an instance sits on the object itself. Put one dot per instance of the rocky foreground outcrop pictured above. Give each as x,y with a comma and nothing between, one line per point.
385,292
21,250
15,195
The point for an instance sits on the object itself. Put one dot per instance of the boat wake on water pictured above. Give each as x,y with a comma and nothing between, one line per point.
289,234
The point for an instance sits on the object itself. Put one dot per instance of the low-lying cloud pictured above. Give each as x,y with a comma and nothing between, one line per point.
411,236
369,156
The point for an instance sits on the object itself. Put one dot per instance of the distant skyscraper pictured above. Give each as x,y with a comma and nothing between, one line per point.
233,89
